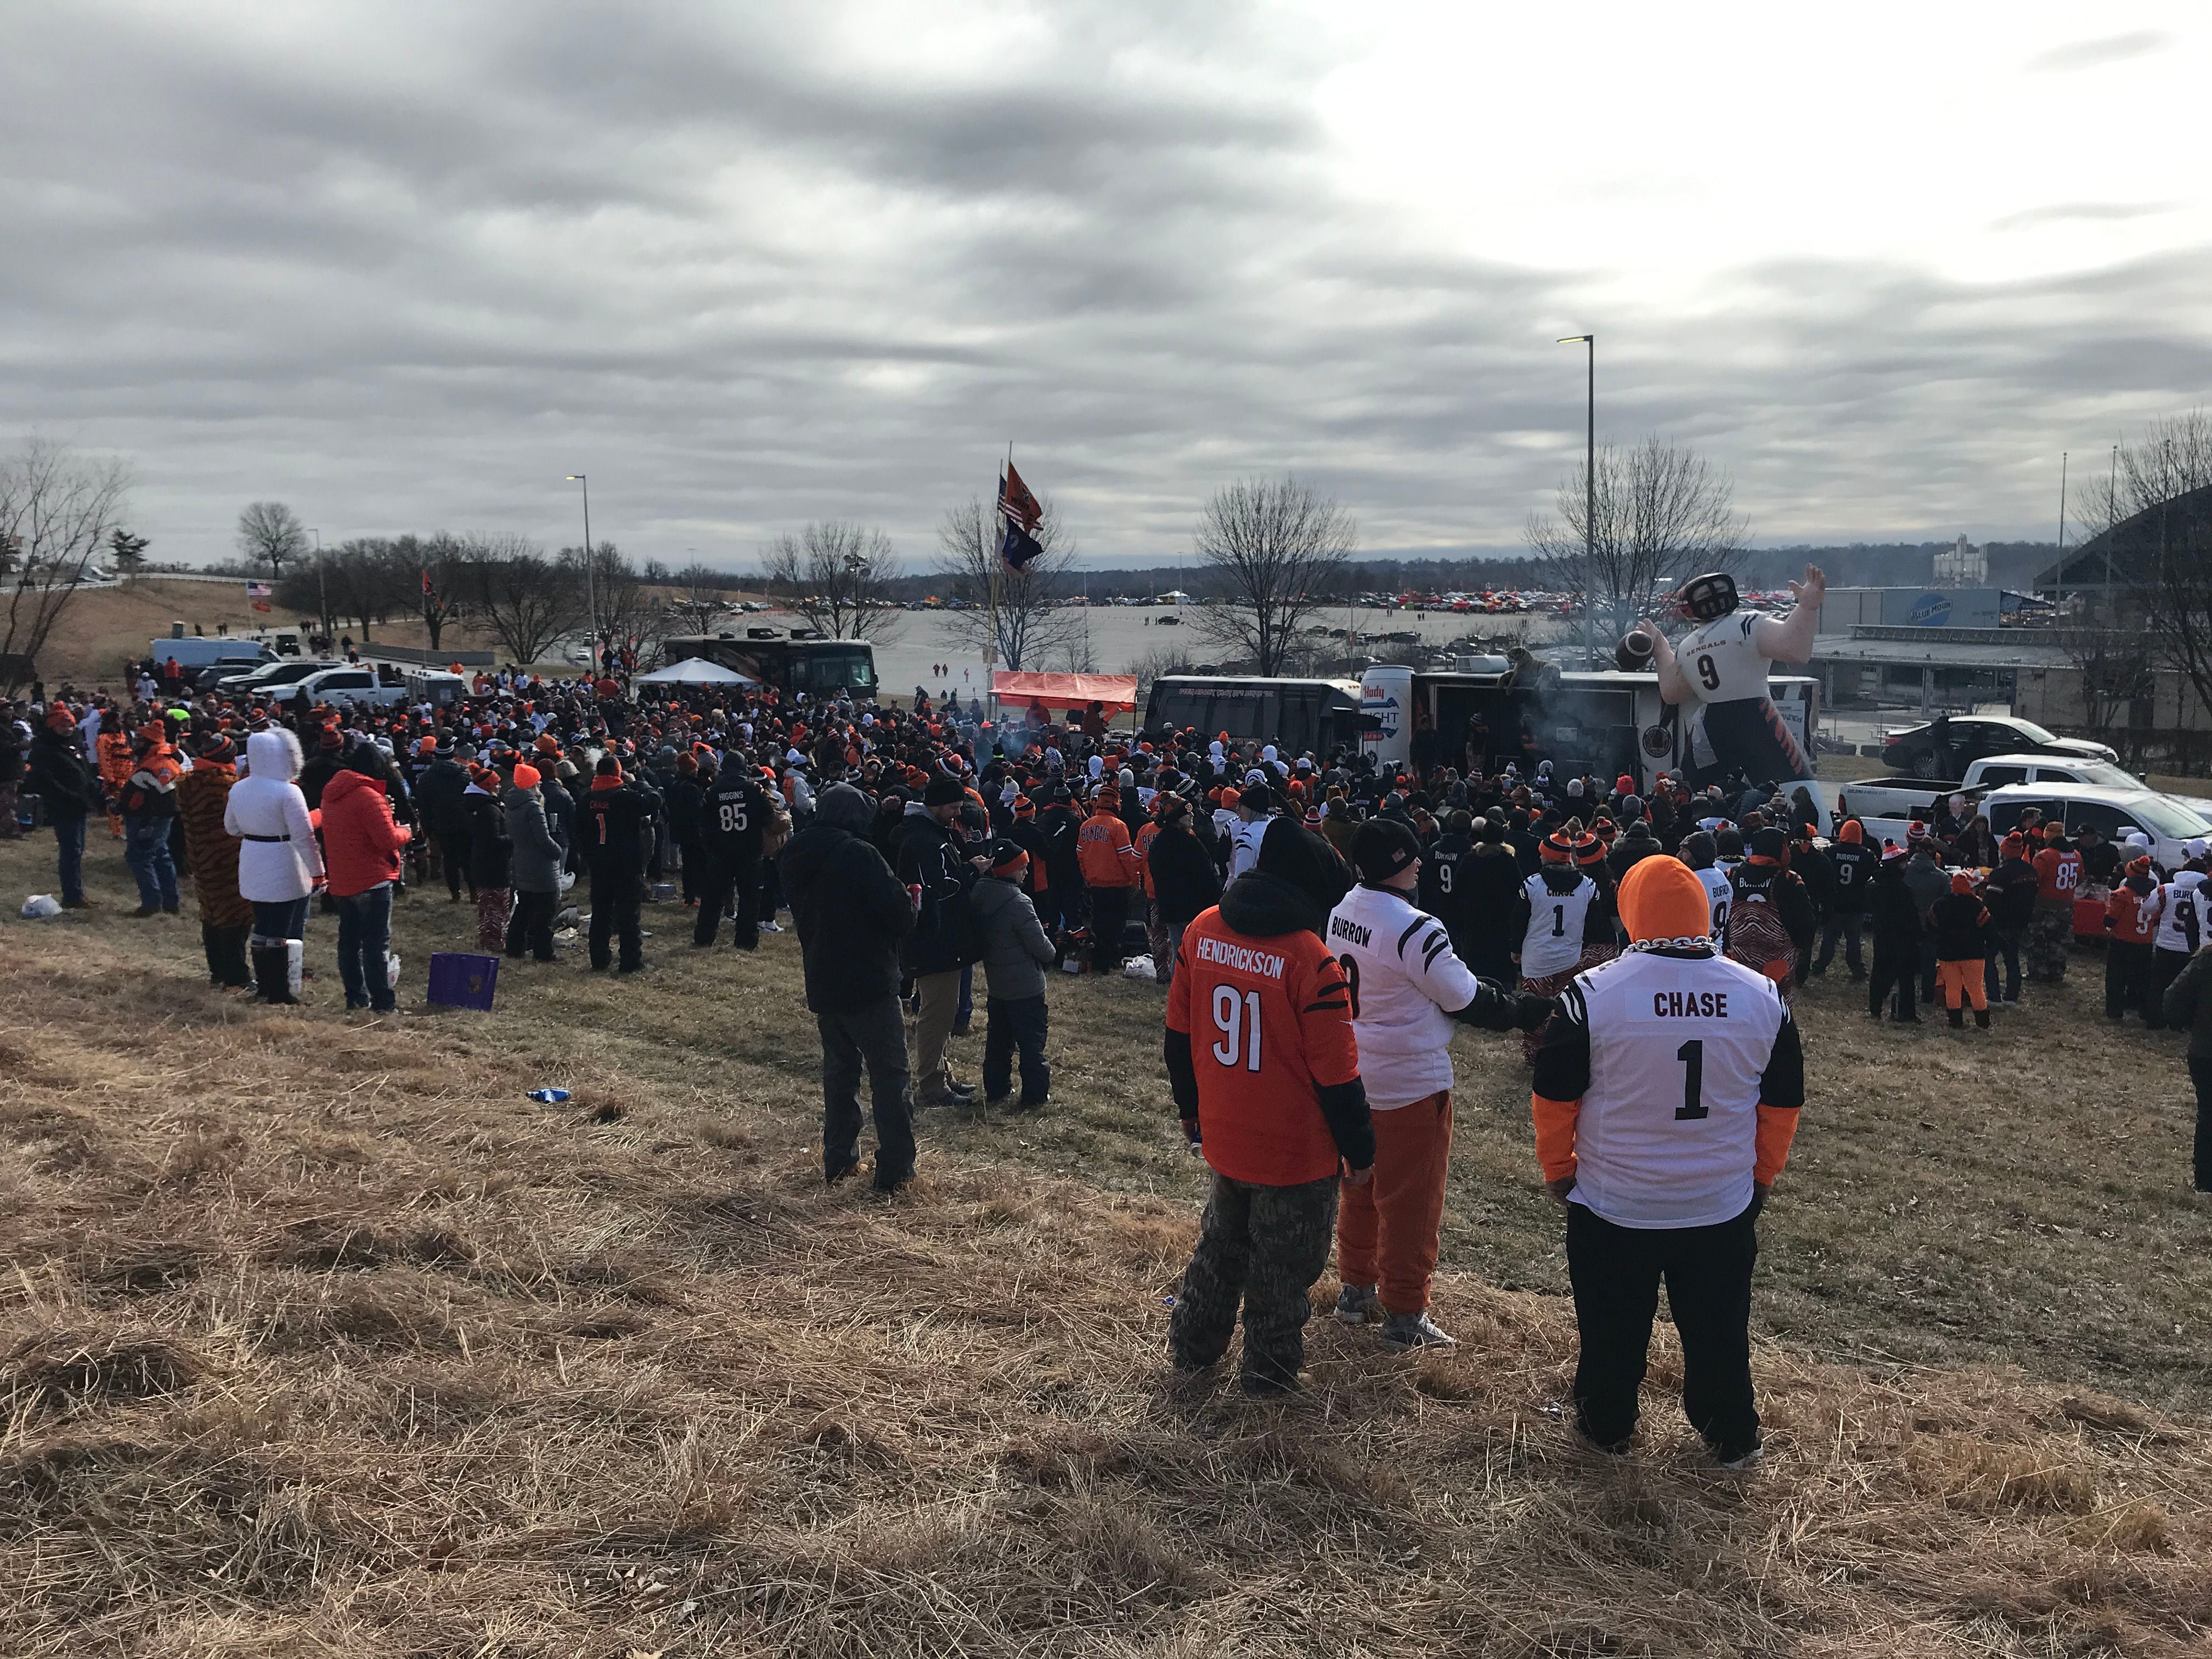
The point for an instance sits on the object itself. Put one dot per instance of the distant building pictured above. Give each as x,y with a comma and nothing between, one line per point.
1964,566
2116,566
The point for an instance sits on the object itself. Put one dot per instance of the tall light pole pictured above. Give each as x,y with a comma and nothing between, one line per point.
322,582
1590,487
591,600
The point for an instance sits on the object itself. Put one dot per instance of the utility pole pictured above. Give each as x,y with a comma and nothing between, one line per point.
1589,488
591,597
322,582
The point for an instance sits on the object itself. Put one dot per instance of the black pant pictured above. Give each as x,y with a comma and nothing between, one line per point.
874,1038
2200,1073
1615,1272
618,896
692,856
2004,946
531,927
1850,929
1896,963
2127,977
1109,910
226,952
1015,1021
2165,967
453,849
1264,1247
718,882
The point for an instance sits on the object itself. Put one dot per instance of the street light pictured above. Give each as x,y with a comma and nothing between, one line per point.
1589,487
591,600
322,580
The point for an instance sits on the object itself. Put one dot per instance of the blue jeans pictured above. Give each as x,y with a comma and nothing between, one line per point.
1851,930
2007,947
966,1011
146,850
364,941
68,837
276,921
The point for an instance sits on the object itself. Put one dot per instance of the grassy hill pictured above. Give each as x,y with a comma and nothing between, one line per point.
322,1339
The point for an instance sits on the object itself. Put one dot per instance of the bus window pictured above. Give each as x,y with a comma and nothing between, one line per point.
832,670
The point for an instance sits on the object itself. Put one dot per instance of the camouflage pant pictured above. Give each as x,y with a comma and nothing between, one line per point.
2050,936
1264,1246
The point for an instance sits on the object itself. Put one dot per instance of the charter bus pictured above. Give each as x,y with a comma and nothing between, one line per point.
1294,714
819,667
1603,722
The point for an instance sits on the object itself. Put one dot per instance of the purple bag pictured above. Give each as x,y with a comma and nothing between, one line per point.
460,979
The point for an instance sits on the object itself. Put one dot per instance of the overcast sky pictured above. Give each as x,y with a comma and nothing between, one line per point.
404,265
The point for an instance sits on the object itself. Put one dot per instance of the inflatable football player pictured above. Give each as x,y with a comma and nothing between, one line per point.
1717,673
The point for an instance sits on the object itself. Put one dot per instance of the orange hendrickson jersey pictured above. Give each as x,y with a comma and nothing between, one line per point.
1269,1020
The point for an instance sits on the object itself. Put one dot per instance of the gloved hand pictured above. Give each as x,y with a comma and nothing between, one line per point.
1532,1012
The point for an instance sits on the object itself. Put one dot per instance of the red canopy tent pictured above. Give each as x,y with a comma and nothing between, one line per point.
1115,693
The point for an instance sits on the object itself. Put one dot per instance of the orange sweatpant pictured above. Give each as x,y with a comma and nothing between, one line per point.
1955,979
1386,1231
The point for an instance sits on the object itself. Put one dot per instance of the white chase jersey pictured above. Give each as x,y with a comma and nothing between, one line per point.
1667,1135
1720,893
1553,943
2181,923
1244,840
1721,659
1404,981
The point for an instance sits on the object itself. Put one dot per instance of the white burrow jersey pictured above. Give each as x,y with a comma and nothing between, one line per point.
1553,941
1667,1134
1405,983
2181,922
1721,657
1720,893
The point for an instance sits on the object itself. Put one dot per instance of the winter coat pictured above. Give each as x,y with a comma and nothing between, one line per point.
2188,1005
612,823
361,838
210,851
851,911
438,795
315,776
280,860
60,775
1892,908
489,844
944,936
535,861
1962,927
2010,895
1015,951
1185,883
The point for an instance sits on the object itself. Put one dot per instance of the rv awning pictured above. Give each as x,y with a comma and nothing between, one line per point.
695,671
1116,693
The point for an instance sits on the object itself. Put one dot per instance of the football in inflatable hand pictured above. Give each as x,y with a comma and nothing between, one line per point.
1633,654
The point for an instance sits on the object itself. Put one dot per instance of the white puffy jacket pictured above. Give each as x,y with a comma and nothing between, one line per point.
278,860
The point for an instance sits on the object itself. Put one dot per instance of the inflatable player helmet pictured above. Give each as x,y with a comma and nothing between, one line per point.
1708,598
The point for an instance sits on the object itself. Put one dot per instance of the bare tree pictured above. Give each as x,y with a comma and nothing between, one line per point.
1029,621
1658,515
56,508
2162,527
837,577
270,532
699,590
433,570
359,580
1276,553
526,599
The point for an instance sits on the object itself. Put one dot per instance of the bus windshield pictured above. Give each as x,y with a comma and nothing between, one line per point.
833,669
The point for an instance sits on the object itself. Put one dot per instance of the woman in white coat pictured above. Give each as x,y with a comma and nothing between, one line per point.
278,862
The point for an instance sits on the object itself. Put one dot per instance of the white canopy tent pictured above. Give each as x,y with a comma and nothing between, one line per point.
695,671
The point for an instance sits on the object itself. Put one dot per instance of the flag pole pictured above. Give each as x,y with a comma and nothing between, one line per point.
991,645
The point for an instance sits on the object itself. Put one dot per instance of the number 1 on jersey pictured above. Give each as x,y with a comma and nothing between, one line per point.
1693,1056
1233,1015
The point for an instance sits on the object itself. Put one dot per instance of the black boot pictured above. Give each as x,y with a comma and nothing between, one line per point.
1958,1019
272,977
1982,1018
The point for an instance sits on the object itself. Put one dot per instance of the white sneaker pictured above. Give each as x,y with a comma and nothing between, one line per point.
771,927
1357,1303
1748,1460
1416,1330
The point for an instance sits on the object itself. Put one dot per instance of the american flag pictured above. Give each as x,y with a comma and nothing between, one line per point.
257,590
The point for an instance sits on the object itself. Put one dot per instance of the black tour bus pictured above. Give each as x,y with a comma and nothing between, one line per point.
1294,714
791,662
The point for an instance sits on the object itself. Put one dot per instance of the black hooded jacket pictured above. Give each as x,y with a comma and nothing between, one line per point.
852,913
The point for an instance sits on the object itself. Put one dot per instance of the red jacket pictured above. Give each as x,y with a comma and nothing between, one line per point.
360,843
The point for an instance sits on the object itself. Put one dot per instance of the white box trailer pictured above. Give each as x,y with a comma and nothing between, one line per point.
1604,722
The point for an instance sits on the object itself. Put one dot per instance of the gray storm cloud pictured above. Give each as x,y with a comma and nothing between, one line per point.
404,267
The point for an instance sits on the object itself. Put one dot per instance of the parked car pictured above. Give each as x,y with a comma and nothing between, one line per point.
2113,812
360,687
1948,745
272,674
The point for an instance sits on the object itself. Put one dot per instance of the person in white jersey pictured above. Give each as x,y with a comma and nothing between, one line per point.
1718,670
1549,917
1253,807
1699,851
1405,987
1666,1095
2181,920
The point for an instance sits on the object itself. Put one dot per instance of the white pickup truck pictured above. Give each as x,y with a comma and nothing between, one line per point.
359,686
2171,824
1905,799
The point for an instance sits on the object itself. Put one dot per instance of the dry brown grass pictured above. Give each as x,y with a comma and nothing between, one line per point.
320,1339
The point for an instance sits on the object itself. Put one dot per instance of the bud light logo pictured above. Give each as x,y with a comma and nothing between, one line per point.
1930,611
